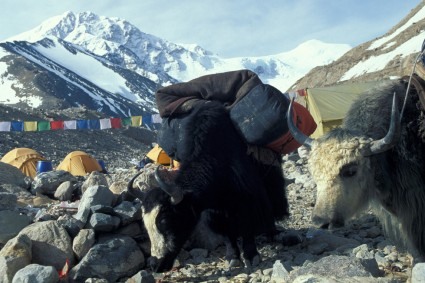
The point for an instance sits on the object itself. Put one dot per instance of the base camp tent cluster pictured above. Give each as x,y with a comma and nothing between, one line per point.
78,163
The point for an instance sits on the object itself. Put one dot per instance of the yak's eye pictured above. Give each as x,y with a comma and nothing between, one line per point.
348,170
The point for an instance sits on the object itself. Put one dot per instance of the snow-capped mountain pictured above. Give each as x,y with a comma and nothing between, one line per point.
85,57
389,56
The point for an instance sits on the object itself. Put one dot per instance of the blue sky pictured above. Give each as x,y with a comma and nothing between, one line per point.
229,28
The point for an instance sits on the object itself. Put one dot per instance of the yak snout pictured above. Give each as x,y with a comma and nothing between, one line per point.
160,265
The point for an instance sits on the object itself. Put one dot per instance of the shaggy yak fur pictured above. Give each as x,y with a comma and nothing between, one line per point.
242,197
392,182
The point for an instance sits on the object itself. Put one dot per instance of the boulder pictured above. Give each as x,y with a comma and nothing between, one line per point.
36,273
51,244
111,258
15,255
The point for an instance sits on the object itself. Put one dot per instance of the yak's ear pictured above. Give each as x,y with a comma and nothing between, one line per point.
172,189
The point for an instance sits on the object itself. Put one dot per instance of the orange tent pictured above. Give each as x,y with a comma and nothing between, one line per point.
25,159
159,156
79,163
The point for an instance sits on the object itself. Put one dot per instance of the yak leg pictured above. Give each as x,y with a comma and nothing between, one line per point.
222,224
232,252
250,253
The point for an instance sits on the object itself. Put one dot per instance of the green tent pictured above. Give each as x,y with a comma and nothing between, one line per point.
329,105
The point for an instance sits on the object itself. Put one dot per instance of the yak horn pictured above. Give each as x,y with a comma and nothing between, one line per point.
299,136
392,136
172,190
135,192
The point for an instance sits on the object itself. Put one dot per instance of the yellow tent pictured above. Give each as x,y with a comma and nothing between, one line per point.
158,156
329,105
79,163
25,159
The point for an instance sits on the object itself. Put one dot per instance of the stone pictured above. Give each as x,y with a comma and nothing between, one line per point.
95,179
111,258
11,223
47,182
15,255
94,195
128,212
64,191
118,187
280,273
141,277
8,201
36,273
11,175
418,273
132,230
101,222
82,243
51,244
347,267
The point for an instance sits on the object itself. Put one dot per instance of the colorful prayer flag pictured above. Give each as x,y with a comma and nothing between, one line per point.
70,125
5,126
30,126
116,123
105,123
43,126
57,125
136,121
17,126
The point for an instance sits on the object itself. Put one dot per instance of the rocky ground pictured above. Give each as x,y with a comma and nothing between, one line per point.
358,252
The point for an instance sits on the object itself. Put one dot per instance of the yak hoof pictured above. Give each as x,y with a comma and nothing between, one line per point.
255,261
234,263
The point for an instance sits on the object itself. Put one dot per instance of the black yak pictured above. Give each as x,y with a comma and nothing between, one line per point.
377,160
243,197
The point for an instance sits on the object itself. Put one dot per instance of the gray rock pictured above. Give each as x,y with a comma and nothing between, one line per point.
110,259
11,175
95,179
381,260
8,201
11,223
333,241
128,212
48,182
347,267
15,255
311,278
35,273
101,222
132,230
141,277
51,244
93,196
363,252
418,273
279,274
83,242
71,225
106,209
64,191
